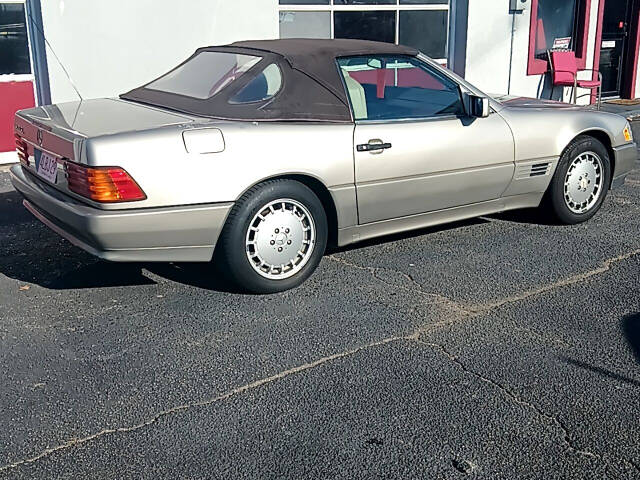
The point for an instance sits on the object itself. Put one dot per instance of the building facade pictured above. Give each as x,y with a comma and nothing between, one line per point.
54,51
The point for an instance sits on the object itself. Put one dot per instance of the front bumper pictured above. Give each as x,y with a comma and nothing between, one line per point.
625,160
180,234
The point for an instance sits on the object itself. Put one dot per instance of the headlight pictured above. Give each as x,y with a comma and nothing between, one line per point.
628,136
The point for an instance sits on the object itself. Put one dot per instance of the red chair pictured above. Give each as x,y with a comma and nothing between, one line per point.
564,73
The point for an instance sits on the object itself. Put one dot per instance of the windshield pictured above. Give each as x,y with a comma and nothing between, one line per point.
205,74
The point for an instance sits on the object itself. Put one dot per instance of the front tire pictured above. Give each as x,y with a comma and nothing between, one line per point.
581,181
274,237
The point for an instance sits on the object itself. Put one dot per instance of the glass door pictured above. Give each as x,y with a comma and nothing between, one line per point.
615,35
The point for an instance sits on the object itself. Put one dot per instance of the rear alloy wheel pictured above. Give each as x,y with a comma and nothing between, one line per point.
280,239
581,181
274,238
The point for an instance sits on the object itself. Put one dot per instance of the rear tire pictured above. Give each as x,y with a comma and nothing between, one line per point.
274,237
581,181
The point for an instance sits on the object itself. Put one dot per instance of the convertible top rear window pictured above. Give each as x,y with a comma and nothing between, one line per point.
205,74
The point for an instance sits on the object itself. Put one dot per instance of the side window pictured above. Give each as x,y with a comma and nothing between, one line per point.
394,88
262,87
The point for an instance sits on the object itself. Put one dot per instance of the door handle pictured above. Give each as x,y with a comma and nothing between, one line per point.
373,146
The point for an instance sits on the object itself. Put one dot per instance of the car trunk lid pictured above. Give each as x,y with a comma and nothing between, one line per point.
60,131
93,118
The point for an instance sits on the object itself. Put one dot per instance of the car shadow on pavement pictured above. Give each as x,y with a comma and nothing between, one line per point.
11,210
200,275
207,276
31,253
534,216
600,371
69,272
407,235
631,328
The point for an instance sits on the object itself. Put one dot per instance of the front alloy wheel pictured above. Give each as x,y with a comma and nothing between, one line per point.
580,182
583,182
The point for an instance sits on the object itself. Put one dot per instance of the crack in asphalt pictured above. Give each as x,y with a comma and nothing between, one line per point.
476,310
236,391
487,307
603,268
449,304
569,444
461,312
511,395
454,307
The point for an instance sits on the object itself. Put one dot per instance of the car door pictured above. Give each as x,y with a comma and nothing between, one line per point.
415,149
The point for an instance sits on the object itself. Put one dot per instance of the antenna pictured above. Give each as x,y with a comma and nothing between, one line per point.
35,24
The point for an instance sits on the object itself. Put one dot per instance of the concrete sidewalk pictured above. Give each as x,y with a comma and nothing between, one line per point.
632,112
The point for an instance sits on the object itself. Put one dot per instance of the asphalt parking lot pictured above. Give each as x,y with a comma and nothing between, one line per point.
502,347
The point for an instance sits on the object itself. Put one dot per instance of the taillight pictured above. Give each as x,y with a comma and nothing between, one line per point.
103,184
21,148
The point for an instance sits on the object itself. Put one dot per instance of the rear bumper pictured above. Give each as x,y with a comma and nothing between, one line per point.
625,160
181,234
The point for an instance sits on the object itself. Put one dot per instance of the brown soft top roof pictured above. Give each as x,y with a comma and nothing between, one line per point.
312,85
316,57
296,48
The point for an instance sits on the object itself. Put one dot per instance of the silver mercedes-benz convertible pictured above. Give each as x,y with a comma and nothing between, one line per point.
259,154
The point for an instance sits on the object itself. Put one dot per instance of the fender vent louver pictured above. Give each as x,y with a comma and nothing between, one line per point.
539,169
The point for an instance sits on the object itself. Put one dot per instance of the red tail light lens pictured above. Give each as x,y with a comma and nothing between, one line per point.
23,153
103,184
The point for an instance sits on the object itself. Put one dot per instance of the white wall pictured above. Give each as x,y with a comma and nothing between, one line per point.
489,47
109,47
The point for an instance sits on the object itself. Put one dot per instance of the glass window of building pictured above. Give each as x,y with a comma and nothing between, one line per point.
557,24
422,24
14,42
305,24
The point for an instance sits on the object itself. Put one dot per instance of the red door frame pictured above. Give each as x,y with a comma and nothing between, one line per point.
16,92
631,66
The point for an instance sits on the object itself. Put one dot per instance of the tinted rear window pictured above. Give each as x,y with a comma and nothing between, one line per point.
205,74
262,87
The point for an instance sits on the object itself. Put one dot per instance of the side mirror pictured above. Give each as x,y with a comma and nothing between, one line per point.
478,106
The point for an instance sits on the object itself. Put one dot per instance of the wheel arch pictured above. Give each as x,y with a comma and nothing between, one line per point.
604,137
321,191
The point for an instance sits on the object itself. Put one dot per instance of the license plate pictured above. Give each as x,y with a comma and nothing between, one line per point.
47,167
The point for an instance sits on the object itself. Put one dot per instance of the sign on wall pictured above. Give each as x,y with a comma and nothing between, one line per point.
561,43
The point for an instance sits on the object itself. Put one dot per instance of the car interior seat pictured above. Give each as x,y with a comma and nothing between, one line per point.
357,95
